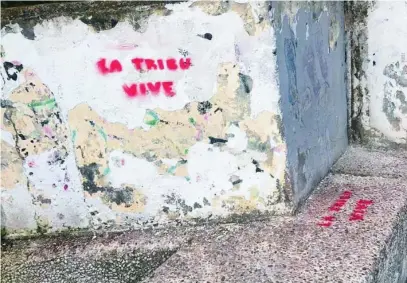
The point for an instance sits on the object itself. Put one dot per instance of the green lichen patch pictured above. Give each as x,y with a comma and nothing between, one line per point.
102,132
50,103
151,118
106,171
42,226
3,232
192,121
74,133
254,143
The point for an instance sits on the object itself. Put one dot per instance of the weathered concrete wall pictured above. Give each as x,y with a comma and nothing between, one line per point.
387,71
311,64
83,144
129,115
378,73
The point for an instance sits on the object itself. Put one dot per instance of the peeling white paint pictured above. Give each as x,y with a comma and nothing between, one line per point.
65,53
170,162
207,164
104,215
387,41
50,180
7,137
238,138
209,170
307,32
18,210
241,1
63,56
7,86
294,25
130,170
258,8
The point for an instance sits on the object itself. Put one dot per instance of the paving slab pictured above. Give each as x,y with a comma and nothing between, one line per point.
363,161
111,257
86,257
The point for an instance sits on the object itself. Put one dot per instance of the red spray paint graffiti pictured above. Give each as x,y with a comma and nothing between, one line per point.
161,64
115,66
146,64
141,89
341,201
327,221
357,214
360,209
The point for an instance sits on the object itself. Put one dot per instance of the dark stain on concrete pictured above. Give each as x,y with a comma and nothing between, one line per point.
256,163
213,140
400,96
391,72
398,78
99,23
319,44
256,144
246,84
235,180
28,32
89,173
290,57
117,195
12,70
5,103
309,57
41,199
389,108
302,180
207,36
120,196
58,157
206,202
179,203
223,7
100,15
356,13
204,107
197,205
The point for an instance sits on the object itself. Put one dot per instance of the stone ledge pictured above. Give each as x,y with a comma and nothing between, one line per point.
115,257
298,250
326,242
103,257
372,162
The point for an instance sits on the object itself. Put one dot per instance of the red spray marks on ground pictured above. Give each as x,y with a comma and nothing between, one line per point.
357,214
327,221
360,210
